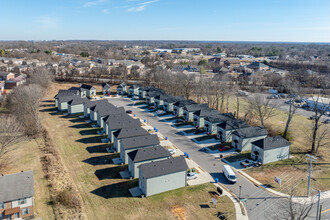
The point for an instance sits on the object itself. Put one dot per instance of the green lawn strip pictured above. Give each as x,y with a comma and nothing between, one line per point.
238,157
204,138
183,124
140,103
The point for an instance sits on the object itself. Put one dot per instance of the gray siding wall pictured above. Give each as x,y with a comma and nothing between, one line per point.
86,111
63,106
189,115
212,128
165,183
74,109
105,128
93,115
168,107
227,134
56,103
199,122
272,155
244,144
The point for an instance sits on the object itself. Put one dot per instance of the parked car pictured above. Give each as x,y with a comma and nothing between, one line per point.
249,163
229,174
152,107
172,151
292,96
282,95
223,148
129,112
327,121
288,101
191,176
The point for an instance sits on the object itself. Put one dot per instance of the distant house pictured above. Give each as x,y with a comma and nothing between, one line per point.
218,69
76,105
230,63
89,104
126,133
133,143
115,125
112,118
159,100
6,76
17,81
122,89
143,91
201,114
226,128
179,105
101,114
243,137
151,95
188,110
16,195
105,89
211,122
87,91
169,102
214,60
270,149
256,66
145,155
133,90
2,88
104,105
161,176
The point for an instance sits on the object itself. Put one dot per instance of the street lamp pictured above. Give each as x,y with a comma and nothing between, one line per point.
239,195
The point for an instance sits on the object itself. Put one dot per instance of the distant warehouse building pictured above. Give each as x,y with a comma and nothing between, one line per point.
161,176
323,104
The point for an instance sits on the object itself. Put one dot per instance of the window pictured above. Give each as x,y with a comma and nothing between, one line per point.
16,215
21,201
25,211
2,205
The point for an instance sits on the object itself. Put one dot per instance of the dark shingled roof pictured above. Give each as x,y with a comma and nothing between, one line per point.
91,104
136,86
155,93
233,124
105,85
84,86
77,101
16,186
102,106
117,117
130,132
220,118
122,85
161,96
256,65
140,141
67,98
131,123
149,153
111,110
271,142
62,93
163,167
173,99
195,107
183,103
205,112
250,132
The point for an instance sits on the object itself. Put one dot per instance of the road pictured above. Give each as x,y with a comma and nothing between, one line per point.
259,202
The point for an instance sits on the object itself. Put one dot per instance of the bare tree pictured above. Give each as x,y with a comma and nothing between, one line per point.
10,134
41,76
262,108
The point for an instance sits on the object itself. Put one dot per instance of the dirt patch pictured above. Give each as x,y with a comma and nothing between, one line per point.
179,212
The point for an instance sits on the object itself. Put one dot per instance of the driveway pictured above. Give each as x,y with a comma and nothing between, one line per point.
258,200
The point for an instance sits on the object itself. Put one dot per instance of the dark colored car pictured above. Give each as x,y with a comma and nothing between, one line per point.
223,148
327,121
250,163
129,112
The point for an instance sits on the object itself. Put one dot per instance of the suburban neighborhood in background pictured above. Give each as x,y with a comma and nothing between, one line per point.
233,123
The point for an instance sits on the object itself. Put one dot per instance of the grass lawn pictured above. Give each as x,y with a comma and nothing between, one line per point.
105,195
238,157
140,103
183,124
204,138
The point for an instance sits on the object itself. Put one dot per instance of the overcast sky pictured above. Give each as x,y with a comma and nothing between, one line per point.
221,20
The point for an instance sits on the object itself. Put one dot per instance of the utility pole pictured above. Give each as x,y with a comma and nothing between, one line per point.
240,188
310,158
318,208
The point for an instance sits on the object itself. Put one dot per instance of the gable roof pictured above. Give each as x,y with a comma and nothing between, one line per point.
130,123
85,86
220,118
77,101
173,99
271,142
66,98
105,86
62,93
149,153
205,112
91,104
163,167
111,110
116,117
16,186
135,86
256,65
140,141
183,103
155,93
122,85
102,106
130,132
233,124
195,107
251,132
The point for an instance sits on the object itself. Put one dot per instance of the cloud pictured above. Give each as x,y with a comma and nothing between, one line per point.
47,22
149,2
93,3
137,9
106,11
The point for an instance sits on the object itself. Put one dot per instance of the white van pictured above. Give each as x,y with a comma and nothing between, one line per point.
229,173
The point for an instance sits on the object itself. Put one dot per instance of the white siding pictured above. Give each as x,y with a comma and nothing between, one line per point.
29,202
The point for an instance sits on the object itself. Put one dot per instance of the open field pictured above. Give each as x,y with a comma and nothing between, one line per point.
105,195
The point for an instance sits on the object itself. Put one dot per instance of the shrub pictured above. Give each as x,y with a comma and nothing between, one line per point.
67,198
